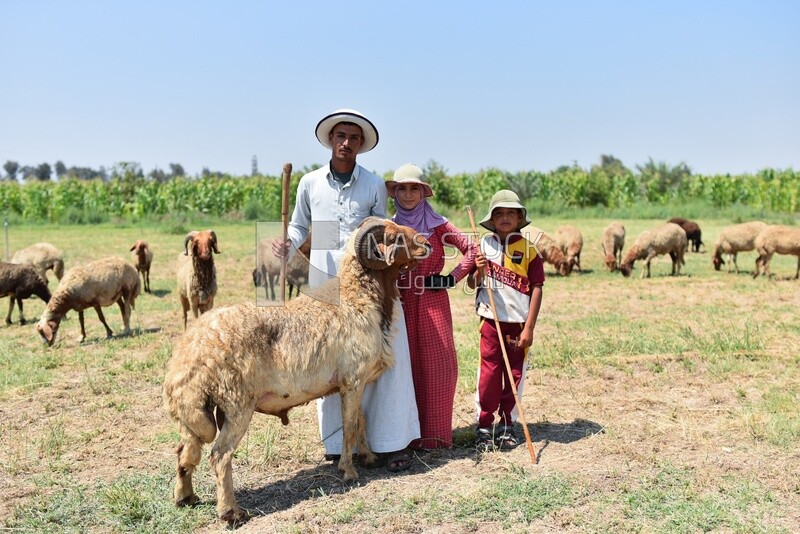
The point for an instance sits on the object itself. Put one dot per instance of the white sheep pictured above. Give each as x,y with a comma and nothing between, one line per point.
142,260
197,276
613,242
668,238
18,282
735,239
43,257
237,360
93,285
570,241
776,238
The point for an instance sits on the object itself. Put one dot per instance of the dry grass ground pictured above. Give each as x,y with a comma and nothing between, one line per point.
663,405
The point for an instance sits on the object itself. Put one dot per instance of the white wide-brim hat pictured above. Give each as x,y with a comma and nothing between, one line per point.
368,129
408,174
505,199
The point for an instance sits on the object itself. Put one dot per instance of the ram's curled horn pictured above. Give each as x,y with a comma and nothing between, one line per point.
367,244
188,238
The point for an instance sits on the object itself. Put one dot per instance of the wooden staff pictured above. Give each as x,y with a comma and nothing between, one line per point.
286,180
503,347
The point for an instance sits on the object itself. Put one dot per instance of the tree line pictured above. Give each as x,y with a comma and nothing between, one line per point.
125,192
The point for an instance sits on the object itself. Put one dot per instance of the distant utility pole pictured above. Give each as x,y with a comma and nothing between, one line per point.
255,166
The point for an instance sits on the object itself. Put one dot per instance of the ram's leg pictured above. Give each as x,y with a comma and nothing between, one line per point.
189,454
10,308
147,281
125,310
102,317
732,257
233,429
354,431
83,327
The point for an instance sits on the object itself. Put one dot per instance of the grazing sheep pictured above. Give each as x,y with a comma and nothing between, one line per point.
142,260
268,268
240,359
692,229
666,239
197,276
776,238
735,239
43,256
18,282
570,241
551,252
613,241
94,285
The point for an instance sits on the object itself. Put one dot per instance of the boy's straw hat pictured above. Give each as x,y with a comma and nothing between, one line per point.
368,129
505,199
408,174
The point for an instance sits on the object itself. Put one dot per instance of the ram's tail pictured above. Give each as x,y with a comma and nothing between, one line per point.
192,408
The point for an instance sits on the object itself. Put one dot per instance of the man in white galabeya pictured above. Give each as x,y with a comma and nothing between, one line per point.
335,199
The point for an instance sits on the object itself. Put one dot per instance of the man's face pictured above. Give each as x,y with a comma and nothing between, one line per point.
345,140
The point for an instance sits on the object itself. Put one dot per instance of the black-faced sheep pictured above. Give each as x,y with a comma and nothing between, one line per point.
237,360
693,232
18,282
93,285
666,239
43,257
613,242
142,260
268,268
735,239
197,276
550,251
570,241
776,238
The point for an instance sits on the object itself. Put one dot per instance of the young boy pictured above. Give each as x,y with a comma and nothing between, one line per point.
515,273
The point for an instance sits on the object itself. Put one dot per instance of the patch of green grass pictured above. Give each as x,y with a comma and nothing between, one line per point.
132,503
775,418
670,500
515,498
19,369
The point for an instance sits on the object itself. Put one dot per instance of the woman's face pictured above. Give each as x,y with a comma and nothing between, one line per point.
408,195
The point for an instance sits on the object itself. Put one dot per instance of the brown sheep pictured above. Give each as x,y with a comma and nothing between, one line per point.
776,238
142,260
242,359
551,252
94,285
197,276
735,239
18,282
268,268
570,241
666,239
613,242
43,257
692,229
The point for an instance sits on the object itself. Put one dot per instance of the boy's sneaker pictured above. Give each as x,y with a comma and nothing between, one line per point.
505,438
483,440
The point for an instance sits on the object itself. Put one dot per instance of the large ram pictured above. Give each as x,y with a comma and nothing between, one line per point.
234,361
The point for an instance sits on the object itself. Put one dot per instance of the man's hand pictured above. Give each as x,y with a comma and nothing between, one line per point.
280,250
439,281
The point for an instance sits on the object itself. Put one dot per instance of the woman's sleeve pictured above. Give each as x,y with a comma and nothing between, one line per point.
456,238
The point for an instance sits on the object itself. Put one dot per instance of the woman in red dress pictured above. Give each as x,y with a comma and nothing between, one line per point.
426,306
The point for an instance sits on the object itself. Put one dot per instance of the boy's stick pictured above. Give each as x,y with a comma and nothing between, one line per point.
503,348
287,176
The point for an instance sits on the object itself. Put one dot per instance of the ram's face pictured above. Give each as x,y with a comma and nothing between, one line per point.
48,330
404,247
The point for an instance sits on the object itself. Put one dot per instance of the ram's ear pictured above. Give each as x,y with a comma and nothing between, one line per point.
388,253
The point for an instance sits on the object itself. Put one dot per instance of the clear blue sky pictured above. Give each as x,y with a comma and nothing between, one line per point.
516,85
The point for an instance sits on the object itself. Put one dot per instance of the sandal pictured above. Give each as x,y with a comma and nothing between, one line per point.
505,438
483,439
398,461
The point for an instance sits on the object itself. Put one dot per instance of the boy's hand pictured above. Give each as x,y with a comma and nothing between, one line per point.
438,281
